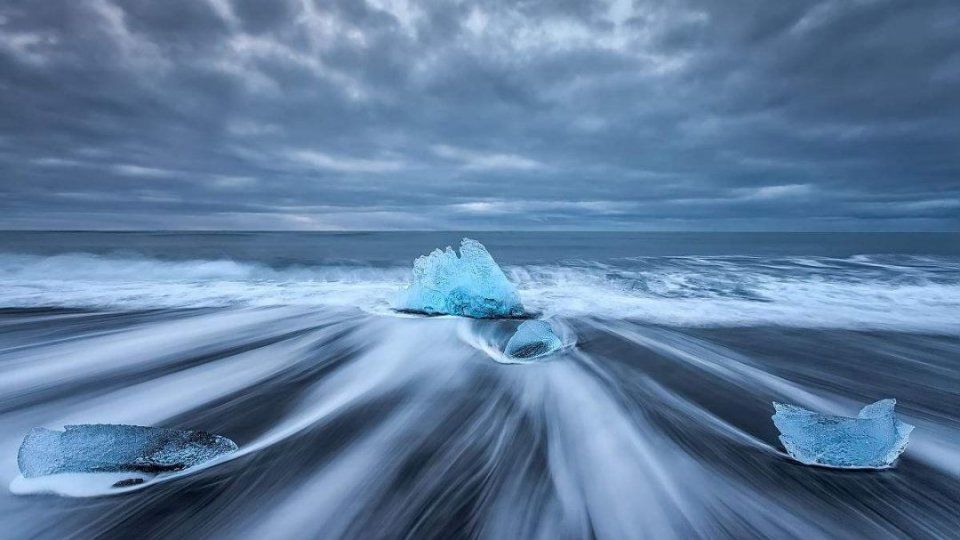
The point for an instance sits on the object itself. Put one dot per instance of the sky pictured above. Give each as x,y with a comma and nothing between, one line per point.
480,115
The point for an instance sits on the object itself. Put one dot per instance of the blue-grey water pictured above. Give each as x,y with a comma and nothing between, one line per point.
356,422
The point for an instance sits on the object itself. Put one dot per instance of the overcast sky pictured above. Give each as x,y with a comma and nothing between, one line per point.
548,114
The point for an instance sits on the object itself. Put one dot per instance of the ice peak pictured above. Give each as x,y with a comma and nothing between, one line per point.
470,284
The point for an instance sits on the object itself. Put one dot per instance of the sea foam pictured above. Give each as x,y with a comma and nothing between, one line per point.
855,293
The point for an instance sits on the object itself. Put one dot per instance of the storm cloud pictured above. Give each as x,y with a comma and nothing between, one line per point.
547,114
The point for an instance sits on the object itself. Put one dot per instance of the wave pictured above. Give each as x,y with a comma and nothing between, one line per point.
350,425
862,292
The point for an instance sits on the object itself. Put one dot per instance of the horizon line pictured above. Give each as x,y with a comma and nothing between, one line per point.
349,231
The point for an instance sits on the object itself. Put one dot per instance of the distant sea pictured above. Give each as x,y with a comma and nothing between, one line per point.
355,421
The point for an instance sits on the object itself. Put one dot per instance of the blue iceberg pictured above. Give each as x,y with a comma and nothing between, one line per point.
872,440
533,339
116,448
471,285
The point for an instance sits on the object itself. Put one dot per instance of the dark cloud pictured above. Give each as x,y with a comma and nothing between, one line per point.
685,114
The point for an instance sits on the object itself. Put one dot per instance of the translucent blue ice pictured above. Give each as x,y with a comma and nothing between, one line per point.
872,440
533,339
111,448
472,285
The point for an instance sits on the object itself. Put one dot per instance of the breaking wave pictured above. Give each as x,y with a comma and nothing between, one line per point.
861,292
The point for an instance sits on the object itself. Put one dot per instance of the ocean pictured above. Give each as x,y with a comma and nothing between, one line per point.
355,421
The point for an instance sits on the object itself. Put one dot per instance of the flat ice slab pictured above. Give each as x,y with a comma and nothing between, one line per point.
872,440
533,339
97,448
471,285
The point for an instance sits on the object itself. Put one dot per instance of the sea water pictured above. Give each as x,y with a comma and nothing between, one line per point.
353,420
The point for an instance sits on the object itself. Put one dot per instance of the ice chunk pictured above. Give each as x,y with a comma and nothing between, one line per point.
110,448
471,285
532,340
872,440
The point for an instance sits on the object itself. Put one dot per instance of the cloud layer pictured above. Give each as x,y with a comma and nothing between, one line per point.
523,114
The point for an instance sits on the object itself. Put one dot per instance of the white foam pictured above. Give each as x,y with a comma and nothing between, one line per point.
921,294
483,336
92,281
815,303
76,484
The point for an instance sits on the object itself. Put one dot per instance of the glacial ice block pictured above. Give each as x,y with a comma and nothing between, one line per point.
471,285
532,340
872,440
113,448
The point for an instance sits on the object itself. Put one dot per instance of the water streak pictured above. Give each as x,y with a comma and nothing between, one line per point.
353,425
